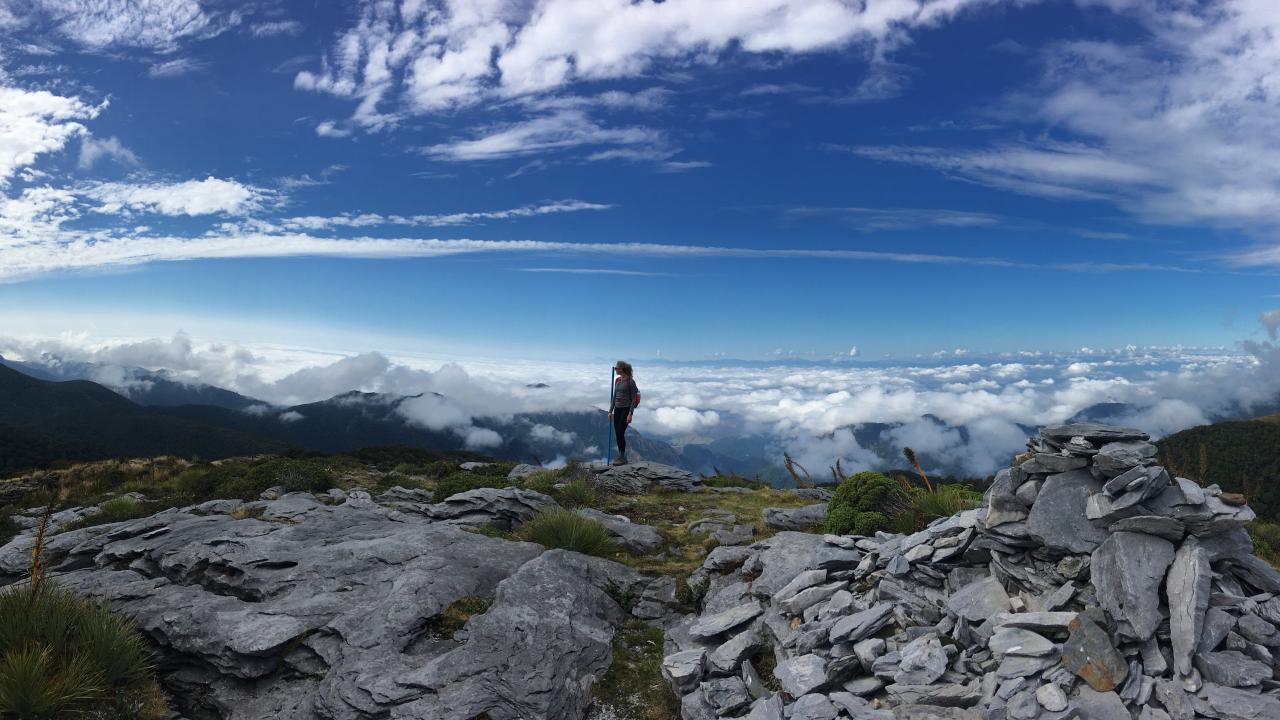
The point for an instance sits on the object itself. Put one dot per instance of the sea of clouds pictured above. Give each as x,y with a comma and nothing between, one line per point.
967,414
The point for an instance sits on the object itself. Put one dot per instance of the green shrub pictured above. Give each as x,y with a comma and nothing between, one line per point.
1266,541
865,503
199,481
568,530
62,656
303,475
576,493
464,481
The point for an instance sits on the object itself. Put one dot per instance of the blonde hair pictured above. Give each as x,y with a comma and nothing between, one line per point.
624,367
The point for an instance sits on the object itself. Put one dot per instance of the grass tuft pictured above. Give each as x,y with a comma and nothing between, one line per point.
62,656
568,530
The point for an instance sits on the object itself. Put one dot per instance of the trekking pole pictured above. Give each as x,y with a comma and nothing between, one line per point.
608,441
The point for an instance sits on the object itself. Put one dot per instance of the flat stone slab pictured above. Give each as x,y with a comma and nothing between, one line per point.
801,675
801,518
861,625
1128,569
1093,432
635,538
1058,520
979,600
712,625
1232,669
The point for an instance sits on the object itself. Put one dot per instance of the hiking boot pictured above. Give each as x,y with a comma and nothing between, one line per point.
619,461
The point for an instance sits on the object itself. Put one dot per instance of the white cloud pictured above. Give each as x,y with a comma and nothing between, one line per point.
471,50
679,420
152,24
92,150
176,68
191,197
568,129
291,416
481,439
1271,321
549,434
1177,125
318,222
275,28
33,123
330,129
62,251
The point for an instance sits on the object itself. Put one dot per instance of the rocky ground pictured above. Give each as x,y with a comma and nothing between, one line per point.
1091,584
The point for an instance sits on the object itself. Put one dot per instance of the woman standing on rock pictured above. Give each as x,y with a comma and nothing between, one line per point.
626,397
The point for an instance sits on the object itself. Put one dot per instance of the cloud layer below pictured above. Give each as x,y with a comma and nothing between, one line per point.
968,415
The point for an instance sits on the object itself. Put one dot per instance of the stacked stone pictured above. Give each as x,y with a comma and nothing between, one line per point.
1091,584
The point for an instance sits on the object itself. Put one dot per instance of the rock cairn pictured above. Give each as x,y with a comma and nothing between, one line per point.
1091,584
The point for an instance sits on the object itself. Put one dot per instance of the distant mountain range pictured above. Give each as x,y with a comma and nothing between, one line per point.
52,412
80,411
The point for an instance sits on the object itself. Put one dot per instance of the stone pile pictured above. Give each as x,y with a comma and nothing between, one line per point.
1091,584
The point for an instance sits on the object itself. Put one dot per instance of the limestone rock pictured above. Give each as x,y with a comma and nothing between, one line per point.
710,626
801,675
503,508
801,518
979,600
635,538
1058,521
1188,591
1231,668
1128,569
683,670
636,478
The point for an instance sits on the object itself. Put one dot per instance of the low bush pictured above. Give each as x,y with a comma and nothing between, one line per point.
568,530
62,656
464,481
865,503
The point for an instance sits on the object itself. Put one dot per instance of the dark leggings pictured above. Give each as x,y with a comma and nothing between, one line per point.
620,429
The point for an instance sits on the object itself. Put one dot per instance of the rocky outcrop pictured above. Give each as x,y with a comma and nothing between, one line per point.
638,477
305,608
1090,584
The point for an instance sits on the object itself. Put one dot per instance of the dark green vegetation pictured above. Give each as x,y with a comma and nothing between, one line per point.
568,530
869,502
1240,456
865,503
62,656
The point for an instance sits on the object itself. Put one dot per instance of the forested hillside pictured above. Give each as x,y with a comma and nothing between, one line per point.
1240,455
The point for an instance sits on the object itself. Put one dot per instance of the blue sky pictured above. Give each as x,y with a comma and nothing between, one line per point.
690,179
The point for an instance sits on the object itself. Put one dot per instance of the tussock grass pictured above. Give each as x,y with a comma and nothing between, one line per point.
62,656
576,493
568,530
